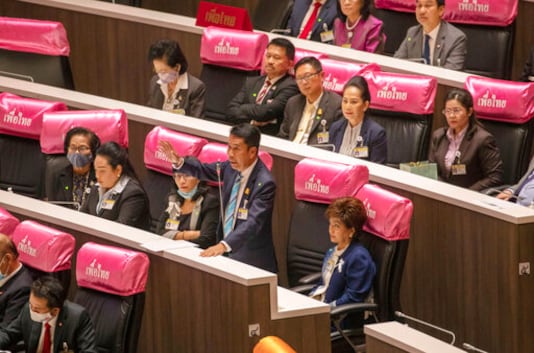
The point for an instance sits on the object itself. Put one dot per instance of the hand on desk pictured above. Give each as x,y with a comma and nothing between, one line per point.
505,195
214,250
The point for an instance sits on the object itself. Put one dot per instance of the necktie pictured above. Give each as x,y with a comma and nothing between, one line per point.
426,50
230,208
263,91
309,25
309,123
46,339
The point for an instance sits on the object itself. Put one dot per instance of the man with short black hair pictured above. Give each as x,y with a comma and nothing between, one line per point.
50,324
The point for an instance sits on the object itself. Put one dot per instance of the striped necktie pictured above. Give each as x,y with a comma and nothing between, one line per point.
230,208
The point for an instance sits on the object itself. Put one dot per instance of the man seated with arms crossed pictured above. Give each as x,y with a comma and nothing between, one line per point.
245,231
523,191
433,40
308,115
262,99
50,324
15,282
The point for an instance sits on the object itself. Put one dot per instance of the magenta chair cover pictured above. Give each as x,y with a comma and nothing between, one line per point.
321,181
108,125
184,144
299,54
501,100
23,117
402,92
388,214
337,73
216,152
232,48
474,12
8,222
111,269
33,36
43,248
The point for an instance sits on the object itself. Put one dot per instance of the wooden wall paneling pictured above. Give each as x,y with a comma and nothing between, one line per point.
525,283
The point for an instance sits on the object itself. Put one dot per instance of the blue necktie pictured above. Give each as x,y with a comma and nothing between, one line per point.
426,50
230,208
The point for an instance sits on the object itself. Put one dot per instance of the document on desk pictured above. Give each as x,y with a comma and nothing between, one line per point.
167,244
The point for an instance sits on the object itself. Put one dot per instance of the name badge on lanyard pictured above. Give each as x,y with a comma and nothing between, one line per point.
108,204
458,168
327,35
323,137
360,151
172,224
242,212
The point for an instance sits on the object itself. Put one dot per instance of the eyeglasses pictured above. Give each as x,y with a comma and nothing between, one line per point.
186,177
307,77
81,149
450,112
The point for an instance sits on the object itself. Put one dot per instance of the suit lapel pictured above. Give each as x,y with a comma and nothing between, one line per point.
297,117
321,109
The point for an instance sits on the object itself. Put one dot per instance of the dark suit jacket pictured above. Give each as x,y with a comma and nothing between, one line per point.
330,107
252,239
478,152
14,296
130,207
373,135
243,107
528,69
207,221
191,99
449,52
73,327
327,14
58,179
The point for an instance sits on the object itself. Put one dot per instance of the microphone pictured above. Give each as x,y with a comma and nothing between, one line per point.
67,203
424,323
471,348
219,182
281,31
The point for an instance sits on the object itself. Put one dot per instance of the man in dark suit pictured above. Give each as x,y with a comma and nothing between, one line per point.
322,22
245,231
308,115
262,100
50,324
15,282
433,40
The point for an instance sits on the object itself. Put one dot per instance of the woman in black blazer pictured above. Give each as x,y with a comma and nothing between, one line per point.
118,195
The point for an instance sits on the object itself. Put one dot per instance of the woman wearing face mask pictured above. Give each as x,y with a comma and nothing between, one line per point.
192,213
69,181
118,195
172,89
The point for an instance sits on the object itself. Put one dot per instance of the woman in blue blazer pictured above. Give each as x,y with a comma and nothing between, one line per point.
357,135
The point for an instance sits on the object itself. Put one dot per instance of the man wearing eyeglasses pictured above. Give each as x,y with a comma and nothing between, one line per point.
309,114
433,41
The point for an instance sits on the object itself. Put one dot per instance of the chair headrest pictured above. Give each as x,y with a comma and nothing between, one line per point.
501,100
23,117
388,214
402,92
321,181
337,73
8,222
33,36
43,248
486,13
184,144
108,125
217,152
299,54
111,269
232,48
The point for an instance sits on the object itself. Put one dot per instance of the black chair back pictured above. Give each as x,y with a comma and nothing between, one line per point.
395,26
157,187
267,17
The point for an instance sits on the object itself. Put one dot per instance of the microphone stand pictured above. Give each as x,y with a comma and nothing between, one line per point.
424,323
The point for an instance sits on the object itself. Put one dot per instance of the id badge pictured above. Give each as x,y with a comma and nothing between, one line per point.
179,111
360,152
322,137
327,36
242,214
108,204
458,169
346,45
172,224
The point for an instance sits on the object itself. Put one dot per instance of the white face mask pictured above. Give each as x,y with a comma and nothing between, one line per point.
40,317
168,77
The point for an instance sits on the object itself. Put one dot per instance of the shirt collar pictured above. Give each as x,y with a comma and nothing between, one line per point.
8,277
433,33
246,173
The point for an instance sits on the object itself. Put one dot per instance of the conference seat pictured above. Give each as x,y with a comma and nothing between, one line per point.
36,51
22,165
404,106
8,222
338,72
267,17
45,250
159,181
228,57
111,286
395,25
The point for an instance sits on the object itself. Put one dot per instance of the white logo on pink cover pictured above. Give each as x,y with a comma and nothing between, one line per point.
95,270
370,212
331,83
224,48
390,92
473,6
15,118
490,101
25,246
160,155
315,185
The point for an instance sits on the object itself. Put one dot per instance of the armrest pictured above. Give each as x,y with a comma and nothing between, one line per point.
311,278
303,289
495,191
352,308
